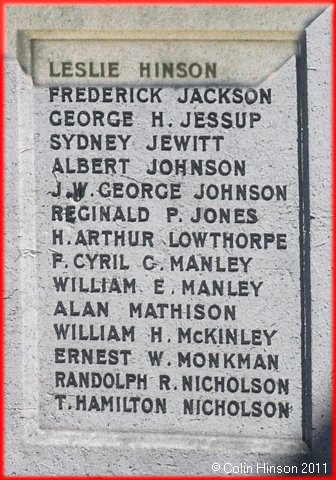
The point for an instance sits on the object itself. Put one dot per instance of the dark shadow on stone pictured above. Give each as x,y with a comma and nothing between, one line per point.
322,454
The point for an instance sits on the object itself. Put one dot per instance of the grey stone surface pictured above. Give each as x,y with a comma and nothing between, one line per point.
46,440
268,56
319,74
256,274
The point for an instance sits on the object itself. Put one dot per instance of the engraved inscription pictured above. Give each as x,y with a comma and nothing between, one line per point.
168,222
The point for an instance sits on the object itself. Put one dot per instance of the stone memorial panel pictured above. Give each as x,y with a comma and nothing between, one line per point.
165,208
165,228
